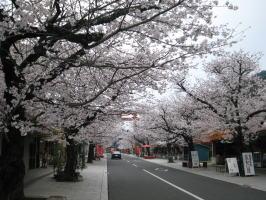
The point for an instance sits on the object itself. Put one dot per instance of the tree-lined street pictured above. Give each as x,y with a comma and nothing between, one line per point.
82,78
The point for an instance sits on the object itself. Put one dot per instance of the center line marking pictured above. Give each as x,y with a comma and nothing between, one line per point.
173,185
135,165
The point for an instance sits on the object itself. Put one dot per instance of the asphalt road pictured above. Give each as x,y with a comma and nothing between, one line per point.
135,179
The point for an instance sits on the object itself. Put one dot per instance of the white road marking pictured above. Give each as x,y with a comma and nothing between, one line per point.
128,161
135,165
173,185
161,169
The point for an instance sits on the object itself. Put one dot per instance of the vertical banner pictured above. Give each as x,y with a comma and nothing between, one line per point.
248,164
232,165
195,158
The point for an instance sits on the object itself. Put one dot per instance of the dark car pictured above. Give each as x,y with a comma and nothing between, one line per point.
116,155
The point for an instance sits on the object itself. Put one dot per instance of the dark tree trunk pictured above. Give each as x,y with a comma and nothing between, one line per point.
169,153
148,151
190,143
71,161
12,168
239,141
191,146
91,154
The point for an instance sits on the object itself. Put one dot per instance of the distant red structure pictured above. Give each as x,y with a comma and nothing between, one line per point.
125,151
99,151
138,151
147,148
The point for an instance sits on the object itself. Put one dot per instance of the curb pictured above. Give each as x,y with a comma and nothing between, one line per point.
104,188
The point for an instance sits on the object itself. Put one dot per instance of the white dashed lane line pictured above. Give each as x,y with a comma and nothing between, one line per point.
175,186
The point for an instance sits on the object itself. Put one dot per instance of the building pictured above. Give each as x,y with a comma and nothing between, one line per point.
38,149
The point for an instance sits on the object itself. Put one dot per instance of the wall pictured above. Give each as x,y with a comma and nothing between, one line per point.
203,152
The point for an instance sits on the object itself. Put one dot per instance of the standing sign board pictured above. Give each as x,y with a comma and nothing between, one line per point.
248,164
232,165
195,158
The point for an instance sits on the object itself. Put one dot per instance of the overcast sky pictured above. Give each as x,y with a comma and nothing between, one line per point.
252,16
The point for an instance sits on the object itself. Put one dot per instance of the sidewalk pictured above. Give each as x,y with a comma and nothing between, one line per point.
34,175
40,183
256,182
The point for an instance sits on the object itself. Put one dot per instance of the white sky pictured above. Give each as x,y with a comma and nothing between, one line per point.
250,18
252,15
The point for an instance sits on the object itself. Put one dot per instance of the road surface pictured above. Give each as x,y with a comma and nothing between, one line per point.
135,179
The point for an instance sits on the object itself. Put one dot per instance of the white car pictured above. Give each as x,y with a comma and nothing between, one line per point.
116,155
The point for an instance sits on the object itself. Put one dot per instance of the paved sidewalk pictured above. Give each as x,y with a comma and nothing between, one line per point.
34,175
256,182
40,183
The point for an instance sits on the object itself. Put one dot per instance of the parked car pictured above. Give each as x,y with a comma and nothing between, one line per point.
116,155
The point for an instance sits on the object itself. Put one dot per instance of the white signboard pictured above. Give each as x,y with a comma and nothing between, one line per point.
232,165
248,164
195,158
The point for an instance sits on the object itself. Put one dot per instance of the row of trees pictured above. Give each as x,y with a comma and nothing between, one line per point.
231,99
66,63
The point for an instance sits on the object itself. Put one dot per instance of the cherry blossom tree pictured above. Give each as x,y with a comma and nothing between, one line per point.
233,97
176,122
41,40
77,122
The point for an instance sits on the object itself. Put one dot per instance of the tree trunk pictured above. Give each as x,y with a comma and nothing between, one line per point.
71,161
12,168
148,151
169,153
239,141
190,143
91,153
